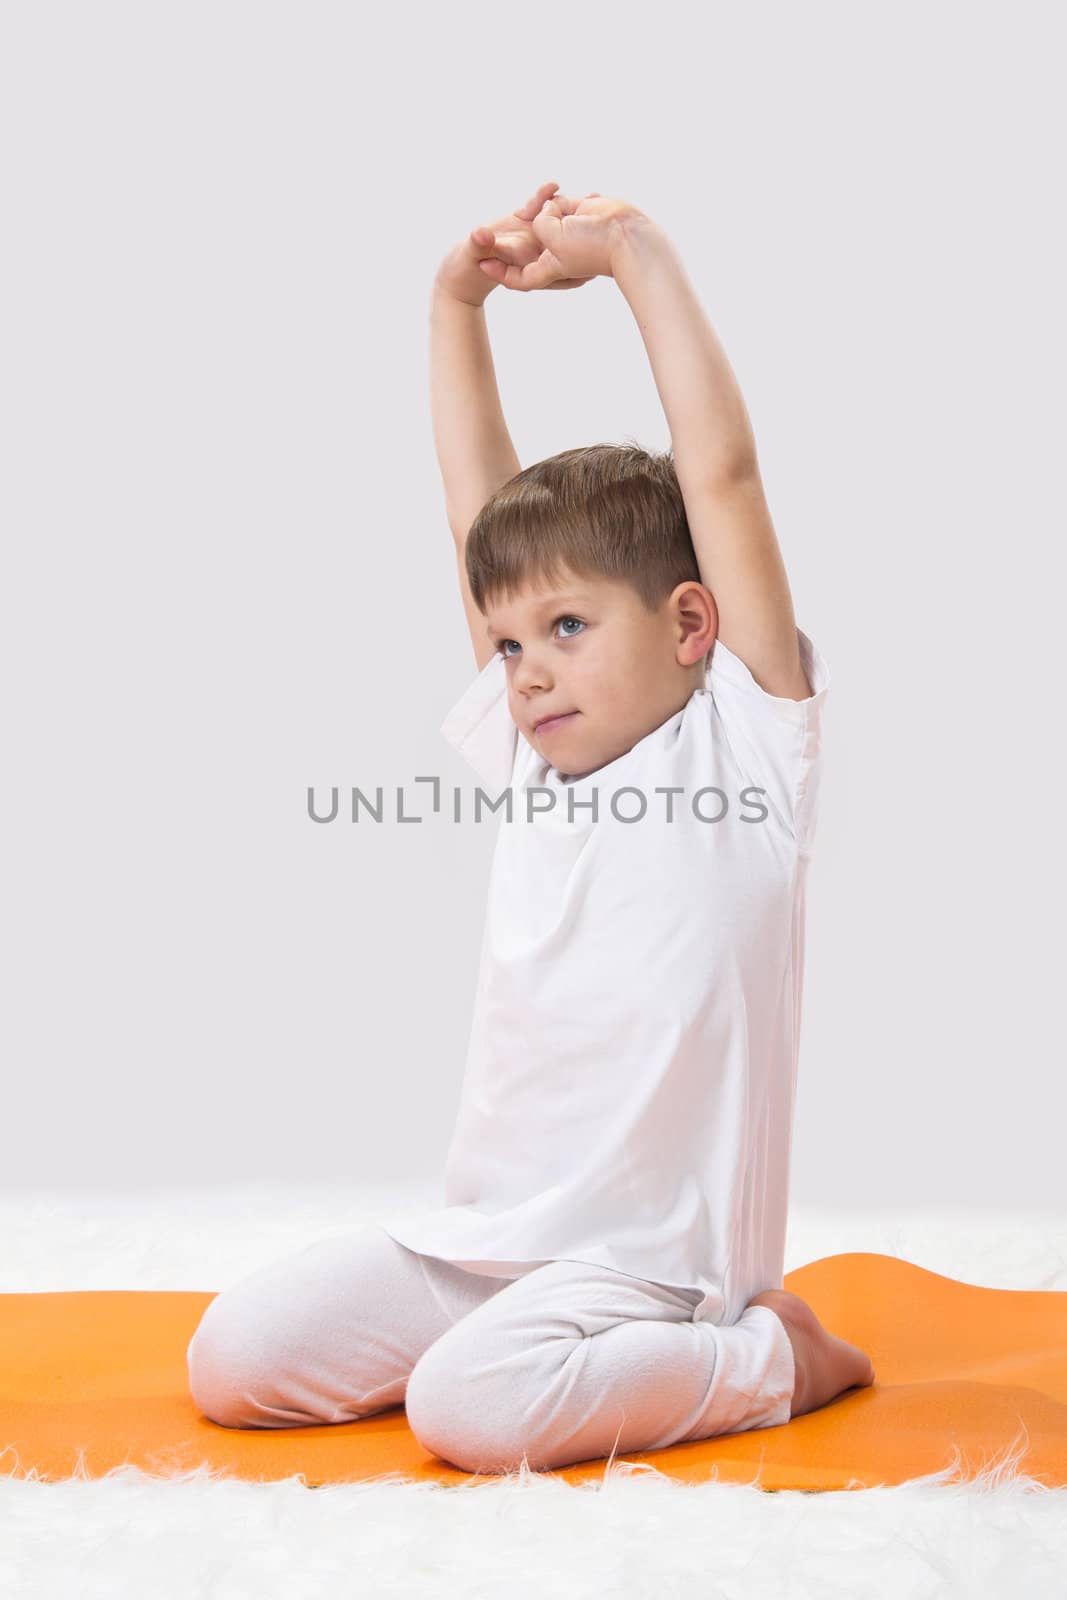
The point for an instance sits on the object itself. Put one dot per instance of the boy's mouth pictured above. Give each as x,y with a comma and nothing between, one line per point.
549,724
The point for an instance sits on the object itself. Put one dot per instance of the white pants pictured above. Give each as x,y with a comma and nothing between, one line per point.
566,1363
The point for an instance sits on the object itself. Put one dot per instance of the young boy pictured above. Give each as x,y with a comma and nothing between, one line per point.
604,1274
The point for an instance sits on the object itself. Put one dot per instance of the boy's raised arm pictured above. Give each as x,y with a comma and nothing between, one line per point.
474,449
715,458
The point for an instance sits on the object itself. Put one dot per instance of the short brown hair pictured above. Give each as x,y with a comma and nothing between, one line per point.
601,510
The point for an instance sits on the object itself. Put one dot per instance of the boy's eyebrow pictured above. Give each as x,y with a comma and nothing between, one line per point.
550,604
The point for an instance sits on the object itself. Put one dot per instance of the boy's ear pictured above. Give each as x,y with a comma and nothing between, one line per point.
696,616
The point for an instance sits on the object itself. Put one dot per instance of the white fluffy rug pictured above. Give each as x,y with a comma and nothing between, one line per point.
634,1533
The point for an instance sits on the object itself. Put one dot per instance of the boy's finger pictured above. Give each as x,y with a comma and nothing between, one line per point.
547,227
533,205
505,246
543,192
514,277
540,273
485,244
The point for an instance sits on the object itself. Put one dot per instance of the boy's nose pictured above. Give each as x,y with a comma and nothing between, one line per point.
532,675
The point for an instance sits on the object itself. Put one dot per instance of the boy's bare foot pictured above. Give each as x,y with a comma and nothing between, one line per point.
825,1365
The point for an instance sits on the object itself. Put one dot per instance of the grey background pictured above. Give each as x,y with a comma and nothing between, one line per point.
227,572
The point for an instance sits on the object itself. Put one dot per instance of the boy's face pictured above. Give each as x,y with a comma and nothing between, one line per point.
589,652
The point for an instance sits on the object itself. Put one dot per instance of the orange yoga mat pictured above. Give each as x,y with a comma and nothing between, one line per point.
966,1377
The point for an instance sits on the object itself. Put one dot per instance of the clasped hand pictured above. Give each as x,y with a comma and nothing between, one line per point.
555,241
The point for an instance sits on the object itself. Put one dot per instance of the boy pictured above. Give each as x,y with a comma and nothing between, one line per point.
628,1096
603,1274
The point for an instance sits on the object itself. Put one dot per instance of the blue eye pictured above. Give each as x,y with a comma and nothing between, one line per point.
502,647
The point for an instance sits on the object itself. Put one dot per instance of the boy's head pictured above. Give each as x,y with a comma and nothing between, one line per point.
585,571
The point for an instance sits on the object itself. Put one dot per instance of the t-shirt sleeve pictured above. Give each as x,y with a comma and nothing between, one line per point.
480,727
776,742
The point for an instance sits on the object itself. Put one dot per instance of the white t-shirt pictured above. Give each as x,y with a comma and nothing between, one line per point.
629,1086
